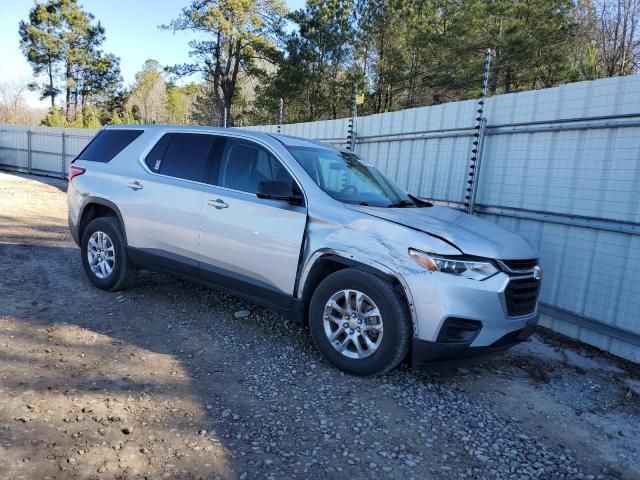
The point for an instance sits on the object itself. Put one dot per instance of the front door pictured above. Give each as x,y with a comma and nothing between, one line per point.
249,244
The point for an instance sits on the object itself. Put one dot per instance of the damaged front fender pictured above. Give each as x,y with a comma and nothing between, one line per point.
367,242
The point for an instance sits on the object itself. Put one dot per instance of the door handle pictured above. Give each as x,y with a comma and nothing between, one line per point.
218,203
135,186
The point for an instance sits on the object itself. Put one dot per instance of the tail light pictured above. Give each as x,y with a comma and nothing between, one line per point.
74,172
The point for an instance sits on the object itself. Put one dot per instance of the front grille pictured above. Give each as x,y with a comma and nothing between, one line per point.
521,264
521,296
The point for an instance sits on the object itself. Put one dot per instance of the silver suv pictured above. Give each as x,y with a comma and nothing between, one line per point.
307,230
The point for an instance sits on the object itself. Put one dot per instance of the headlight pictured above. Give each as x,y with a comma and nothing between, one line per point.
473,269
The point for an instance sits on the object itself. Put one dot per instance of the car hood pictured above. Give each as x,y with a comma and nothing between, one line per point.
470,234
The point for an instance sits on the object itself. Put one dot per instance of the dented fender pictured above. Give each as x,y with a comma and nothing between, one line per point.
366,240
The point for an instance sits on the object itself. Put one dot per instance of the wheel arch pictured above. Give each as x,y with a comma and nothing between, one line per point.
325,262
95,207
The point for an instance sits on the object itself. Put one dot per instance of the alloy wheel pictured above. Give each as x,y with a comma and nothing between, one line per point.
353,324
101,254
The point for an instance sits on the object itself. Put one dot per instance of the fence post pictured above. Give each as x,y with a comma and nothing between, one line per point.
477,164
29,159
351,128
224,119
64,155
478,139
280,112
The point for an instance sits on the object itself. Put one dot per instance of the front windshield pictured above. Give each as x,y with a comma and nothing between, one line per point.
348,179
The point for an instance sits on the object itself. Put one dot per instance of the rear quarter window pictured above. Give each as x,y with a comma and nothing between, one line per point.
155,156
181,155
107,144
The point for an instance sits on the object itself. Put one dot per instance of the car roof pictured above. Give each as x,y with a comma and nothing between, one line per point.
286,140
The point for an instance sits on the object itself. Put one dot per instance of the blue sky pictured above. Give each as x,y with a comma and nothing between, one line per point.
131,29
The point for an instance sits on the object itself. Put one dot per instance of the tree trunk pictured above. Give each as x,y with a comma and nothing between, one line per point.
387,98
381,53
412,79
231,84
53,95
493,75
508,80
84,102
67,77
75,100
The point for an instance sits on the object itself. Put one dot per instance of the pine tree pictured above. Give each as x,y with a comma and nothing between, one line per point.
62,41
40,40
239,33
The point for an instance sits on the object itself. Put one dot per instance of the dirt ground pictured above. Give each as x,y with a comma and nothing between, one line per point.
169,380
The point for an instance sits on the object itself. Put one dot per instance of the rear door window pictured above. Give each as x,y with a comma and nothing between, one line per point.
107,144
181,155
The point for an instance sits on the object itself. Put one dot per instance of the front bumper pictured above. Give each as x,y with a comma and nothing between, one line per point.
426,355
439,298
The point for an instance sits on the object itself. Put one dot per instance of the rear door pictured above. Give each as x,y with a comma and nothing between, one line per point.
249,244
164,210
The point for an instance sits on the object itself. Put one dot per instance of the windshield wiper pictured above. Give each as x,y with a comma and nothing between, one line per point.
420,202
401,204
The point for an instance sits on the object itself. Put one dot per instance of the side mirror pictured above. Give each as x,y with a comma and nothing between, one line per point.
273,190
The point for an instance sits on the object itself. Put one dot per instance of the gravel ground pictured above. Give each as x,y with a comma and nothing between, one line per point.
170,380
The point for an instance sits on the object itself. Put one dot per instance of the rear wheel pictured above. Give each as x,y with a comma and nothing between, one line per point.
104,256
358,322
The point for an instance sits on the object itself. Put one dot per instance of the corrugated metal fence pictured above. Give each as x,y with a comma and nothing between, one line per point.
41,150
561,166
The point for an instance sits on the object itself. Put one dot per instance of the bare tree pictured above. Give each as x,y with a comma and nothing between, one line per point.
618,36
148,94
13,108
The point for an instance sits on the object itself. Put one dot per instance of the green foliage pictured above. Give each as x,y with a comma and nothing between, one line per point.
113,106
405,53
179,102
589,66
128,118
54,118
116,119
176,110
91,118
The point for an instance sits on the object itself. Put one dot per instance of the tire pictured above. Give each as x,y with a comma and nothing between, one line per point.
122,273
392,346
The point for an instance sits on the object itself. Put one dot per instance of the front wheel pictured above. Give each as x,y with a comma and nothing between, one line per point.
358,322
104,256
